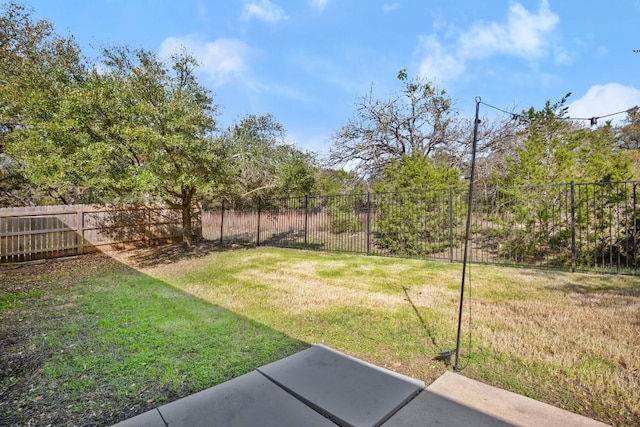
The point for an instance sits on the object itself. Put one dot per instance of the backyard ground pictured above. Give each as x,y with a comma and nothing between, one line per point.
96,339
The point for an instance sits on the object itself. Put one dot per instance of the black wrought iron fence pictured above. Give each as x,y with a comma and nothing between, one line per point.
573,226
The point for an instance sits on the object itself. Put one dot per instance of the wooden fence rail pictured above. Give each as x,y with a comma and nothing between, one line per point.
31,233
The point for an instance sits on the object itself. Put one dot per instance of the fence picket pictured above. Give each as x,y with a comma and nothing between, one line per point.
39,232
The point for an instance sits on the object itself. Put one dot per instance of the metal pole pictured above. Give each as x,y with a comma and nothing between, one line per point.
450,224
368,223
468,227
221,222
635,228
258,228
573,227
306,219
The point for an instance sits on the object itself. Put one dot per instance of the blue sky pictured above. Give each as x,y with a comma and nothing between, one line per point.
307,61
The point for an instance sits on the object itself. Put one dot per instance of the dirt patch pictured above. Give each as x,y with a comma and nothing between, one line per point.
170,253
43,275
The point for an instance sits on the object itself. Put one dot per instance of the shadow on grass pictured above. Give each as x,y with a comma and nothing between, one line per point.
171,252
586,284
632,290
289,239
105,342
424,325
151,256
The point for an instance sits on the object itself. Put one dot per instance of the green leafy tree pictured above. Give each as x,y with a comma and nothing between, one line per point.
135,128
629,140
418,173
555,151
155,124
414,206
332,182
38,70
546,155
344,196
265,165
630,132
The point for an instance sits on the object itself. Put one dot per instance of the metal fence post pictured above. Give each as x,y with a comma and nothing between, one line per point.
258,236
450,224
368,223
306,219
221,221
573,227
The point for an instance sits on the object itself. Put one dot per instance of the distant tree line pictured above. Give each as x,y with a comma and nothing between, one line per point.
131,127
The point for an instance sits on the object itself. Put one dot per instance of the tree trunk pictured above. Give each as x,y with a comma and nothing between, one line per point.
187,232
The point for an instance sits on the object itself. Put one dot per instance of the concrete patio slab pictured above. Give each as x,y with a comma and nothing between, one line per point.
148,419
503,405
432,410
347,390
249,400
323,387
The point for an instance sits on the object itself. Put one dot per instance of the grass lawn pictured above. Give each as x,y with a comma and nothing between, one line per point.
94,340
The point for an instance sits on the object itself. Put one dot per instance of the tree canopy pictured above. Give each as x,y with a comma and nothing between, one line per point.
135,127
130,128
265,164
554,149
38,68
418,121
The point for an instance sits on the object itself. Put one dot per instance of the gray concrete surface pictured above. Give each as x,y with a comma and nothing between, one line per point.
344,389
503,405
148,419
432,410
249,400
322,387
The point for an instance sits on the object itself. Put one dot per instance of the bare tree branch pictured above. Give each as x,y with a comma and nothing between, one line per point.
418,121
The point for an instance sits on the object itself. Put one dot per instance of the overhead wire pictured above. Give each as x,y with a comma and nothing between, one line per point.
593,120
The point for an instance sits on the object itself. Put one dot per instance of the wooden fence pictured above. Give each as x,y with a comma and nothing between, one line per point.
39,232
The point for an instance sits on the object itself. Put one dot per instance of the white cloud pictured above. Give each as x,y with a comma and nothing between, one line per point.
264,10
220,60
438,64
390,7
524,35
319,4
601,100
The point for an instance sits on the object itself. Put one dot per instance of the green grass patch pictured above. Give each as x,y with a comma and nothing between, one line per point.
10,300
125,338
135,326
